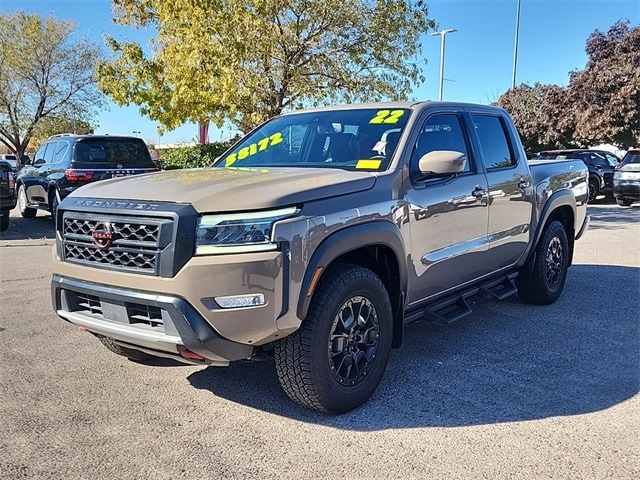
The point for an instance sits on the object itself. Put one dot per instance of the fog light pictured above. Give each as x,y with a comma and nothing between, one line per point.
239,301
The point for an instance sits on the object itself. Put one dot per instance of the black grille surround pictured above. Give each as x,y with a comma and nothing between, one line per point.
148,239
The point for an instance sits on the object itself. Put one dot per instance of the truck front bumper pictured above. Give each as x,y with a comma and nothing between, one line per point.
161,325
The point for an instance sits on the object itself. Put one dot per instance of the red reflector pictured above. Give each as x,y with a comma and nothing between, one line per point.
78,175
83,329
191,355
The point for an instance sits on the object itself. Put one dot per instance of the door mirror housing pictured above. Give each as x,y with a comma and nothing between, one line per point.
441,163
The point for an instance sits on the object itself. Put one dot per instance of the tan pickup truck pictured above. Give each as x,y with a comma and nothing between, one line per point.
315,239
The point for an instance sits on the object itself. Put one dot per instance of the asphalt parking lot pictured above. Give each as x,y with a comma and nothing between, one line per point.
514,392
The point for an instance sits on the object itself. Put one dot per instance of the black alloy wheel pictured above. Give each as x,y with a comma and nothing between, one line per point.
334,362
542,279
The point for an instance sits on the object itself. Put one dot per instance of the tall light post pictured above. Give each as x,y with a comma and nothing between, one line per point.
443,33
515,47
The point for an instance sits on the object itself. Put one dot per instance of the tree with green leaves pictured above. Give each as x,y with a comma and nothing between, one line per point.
246,61
44,73
48,126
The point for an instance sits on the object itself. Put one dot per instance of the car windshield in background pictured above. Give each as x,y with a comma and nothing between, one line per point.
631,157
113,152
357,139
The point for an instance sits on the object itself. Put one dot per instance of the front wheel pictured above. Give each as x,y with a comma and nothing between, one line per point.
624,202
25,211
53,204
335,361
542,280
594,189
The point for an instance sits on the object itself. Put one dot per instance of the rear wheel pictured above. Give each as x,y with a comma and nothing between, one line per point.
130,353
624,202
26,212
4,220
335,361
548,267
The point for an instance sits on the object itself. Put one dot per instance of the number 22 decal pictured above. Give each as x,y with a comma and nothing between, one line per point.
387,117
253,148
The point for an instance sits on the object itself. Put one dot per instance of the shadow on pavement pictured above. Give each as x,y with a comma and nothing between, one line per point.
606,217
508,362
38,228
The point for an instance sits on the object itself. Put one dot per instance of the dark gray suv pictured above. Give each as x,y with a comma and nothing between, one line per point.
66,162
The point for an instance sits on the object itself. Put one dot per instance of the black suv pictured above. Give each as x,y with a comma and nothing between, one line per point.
66,162
600,163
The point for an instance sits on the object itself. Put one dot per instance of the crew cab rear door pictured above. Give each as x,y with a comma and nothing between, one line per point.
510,186
448,215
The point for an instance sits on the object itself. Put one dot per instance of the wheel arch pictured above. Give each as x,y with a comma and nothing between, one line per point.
377,246
560,206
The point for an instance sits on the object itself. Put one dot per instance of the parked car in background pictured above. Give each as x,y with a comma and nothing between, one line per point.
626,179
66,162
599,162
11,160
7,193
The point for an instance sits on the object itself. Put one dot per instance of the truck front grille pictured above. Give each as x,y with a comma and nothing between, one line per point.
134,244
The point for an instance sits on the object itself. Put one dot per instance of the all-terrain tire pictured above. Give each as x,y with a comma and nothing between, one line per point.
130,353
335,361
542,280
26,212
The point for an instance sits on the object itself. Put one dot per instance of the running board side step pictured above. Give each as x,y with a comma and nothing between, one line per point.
453,308
500,288
450,309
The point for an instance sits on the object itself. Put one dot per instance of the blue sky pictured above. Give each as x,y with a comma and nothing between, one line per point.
478,57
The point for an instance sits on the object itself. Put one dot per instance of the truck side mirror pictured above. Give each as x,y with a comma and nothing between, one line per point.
441,163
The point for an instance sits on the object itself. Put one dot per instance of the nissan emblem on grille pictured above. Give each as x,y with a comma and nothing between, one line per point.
102,234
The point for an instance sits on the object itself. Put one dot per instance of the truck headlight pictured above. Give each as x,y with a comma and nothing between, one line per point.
238,232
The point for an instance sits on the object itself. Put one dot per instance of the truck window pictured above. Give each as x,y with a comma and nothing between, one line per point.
496,149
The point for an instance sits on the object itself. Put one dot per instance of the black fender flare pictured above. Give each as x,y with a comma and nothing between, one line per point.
561,198
348,239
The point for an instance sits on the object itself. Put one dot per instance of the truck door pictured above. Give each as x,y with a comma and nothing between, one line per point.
448,216
510,188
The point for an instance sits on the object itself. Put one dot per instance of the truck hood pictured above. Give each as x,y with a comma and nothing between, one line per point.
230,189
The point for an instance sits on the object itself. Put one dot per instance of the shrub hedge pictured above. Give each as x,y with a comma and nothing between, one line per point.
194,157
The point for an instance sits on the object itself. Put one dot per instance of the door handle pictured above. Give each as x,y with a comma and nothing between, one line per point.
479,192
524,184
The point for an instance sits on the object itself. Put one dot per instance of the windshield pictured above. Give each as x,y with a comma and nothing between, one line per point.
358,139
631,157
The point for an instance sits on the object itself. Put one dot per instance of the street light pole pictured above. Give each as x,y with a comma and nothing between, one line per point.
515,47
443,33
